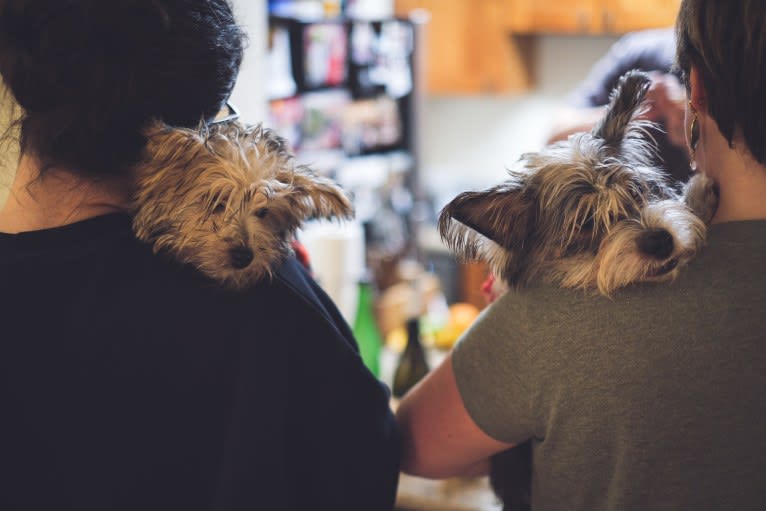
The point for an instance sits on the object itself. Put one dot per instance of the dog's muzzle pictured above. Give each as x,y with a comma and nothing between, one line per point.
240,257
657,243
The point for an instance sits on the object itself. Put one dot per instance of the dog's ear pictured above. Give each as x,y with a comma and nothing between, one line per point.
625,103
305,193
501,214
701,195
315,196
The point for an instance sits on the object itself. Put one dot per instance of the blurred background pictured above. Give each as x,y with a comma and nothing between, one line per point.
407,103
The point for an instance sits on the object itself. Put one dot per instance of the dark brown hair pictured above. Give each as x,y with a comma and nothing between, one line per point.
726,42
90,74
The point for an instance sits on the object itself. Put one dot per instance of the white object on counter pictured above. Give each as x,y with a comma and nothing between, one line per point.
336,252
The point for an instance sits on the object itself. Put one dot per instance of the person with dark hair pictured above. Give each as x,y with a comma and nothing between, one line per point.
652,51
131,381
652,399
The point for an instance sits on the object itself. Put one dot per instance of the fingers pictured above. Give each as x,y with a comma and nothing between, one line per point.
666,101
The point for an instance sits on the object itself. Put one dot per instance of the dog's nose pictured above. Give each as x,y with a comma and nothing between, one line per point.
240,257
657,243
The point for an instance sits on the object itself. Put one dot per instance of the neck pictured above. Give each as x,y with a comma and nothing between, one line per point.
741,179
58,197
742,194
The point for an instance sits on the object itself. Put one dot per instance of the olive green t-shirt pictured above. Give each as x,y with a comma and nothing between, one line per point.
653,399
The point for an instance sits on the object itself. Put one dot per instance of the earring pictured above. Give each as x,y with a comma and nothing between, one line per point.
694,137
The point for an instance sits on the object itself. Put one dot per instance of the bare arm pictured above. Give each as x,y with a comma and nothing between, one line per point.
574,120
440,439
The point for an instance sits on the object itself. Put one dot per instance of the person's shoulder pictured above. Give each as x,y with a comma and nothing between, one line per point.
288,292
546,309
649,50
661,40
547,298
651,35
645,50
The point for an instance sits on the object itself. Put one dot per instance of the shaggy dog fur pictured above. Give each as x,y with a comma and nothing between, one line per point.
227,199
590,213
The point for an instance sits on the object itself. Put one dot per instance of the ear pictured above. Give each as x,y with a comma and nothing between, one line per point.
625,103
315,196
697,94
501,214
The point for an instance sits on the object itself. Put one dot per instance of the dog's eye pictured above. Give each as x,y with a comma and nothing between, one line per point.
588,224
262,212
637,193
219,208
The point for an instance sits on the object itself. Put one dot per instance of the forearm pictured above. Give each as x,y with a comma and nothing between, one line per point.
572,120
439,438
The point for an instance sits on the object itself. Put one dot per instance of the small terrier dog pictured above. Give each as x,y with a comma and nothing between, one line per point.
227,199
589,213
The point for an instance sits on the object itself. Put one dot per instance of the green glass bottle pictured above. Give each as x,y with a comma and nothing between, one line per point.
366,327
412,365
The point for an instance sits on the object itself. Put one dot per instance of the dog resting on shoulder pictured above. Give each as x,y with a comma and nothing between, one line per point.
589,213
227,199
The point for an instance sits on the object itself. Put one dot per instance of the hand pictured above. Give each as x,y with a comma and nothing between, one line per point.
667,102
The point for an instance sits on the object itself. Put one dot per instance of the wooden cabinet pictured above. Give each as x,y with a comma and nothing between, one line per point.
468,49
554,16
450,55
589,16
487,46
622,16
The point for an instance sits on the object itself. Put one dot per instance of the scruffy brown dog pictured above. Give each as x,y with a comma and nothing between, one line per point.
589,213
227,199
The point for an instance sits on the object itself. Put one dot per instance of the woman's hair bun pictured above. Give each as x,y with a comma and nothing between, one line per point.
100,70
20,51
58,51
17,29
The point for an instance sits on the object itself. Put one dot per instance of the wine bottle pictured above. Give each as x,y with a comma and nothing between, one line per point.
412,366
366,328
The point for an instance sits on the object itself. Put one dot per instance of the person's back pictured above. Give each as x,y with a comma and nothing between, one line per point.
131,381
651,399
134,383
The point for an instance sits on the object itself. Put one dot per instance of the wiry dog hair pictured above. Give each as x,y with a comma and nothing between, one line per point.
588,213
591,212
227,199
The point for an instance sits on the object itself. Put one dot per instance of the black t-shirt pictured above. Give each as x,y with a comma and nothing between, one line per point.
133,383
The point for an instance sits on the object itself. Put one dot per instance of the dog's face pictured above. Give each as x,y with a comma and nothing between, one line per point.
227,200
579,196
651,247
559,211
